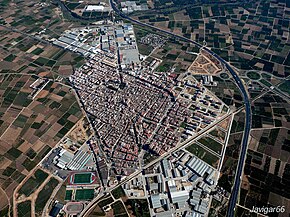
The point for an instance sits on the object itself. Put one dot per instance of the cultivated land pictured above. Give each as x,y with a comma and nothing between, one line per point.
250,35
105,118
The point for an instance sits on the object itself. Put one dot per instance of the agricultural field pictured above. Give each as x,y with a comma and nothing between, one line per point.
26,55
119,209
270,110
211,144
285,87
75,10
174,56
24,209
209,147
226,90
118,192
266,173
231,157
41,19
250,35
31,127
33,183
44,195
268,158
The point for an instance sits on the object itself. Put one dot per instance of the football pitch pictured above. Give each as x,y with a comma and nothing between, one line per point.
82,178
84,194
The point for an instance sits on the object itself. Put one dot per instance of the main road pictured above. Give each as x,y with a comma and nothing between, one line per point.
248,118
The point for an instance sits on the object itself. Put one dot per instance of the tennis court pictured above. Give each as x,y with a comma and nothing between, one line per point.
84,194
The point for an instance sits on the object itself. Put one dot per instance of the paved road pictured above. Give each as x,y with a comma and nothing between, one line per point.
239,171
91,205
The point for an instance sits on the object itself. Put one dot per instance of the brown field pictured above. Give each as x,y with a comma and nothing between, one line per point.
179,16
3,199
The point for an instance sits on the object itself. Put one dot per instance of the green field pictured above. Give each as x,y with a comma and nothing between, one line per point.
68,194
44,195
118,192
119,209
84,194
82,178
24,209
285,87
33,182
253,75
212,144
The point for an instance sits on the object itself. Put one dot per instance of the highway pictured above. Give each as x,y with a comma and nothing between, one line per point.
248,117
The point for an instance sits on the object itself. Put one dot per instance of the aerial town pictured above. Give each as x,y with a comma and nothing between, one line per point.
129,109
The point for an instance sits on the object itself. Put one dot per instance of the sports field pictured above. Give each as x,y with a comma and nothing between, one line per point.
82,178
68,194
84,194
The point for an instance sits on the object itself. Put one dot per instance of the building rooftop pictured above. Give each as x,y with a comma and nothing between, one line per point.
155,200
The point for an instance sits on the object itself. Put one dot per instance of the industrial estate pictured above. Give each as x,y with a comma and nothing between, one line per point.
157,108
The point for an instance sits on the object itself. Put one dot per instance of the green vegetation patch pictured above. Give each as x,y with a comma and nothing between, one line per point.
119,209
33,183
24,209
41,61
28,164
61,93
212,144
253,75
31,153
44,195
105,202
37,125
10,58
164,67
37,51
8,171
118,192
54,105
266,83
20,121
285,87
14,152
